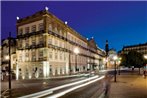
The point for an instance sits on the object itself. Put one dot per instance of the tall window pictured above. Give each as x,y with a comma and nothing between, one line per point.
27,42
20,57
20,43
50,27
61,56
27,29
33,55
26,56
50,55
56,42
41,40
41,27
20,31
65,35
40,53
60,43
56,56
56,29
50,40
60,32
34,28
64,56
33,41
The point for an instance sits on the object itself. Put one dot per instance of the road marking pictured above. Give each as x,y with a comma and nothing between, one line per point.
49,91
74,88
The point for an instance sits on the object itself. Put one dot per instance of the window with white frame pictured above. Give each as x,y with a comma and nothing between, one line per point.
50,27
50,55
50,40
20,57
26,56
65,34
33,41
41,41
41,53
56,29
20,31
64,56
27,29
56,42
60,43
56,55
34,28
33,55
40,27
60,55
27,42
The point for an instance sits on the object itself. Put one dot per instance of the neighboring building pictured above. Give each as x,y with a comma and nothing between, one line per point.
0,57
95,55
141,48
5,54
45,48
109,61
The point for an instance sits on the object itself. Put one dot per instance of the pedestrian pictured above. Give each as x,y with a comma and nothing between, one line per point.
106,86
2,76
144,73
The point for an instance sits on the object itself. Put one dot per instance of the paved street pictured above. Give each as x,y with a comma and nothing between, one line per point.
129,86
24,87
90,91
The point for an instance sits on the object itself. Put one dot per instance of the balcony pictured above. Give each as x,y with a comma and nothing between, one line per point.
30,34
42,59
58,48
40,45
57,35
20,48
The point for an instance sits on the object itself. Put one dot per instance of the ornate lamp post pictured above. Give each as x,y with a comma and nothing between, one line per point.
119,61
9,58
76,51
145,56
115,58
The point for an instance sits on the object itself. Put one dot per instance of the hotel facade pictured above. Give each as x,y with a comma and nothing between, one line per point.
46,47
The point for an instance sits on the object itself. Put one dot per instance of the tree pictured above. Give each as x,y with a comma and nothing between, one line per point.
124,60
133,58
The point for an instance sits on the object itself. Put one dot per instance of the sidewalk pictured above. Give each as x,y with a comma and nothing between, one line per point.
129,85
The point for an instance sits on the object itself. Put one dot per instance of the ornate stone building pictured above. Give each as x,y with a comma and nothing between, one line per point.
46,45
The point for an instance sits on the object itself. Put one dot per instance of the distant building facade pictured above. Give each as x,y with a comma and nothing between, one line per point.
5,54
141,48
45,47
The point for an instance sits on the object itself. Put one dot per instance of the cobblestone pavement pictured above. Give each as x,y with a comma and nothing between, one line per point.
129,85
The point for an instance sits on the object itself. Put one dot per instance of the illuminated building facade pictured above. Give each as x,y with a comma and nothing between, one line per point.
45,47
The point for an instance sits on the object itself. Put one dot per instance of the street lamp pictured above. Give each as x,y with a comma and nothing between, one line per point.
119,61
115,58
145,56
105,60
76,51
9,57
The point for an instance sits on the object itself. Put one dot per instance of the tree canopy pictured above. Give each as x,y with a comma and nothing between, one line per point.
133,58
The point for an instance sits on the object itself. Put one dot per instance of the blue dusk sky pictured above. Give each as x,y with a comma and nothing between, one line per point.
121,23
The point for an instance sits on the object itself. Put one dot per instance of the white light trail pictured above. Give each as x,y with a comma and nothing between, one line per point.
49,91
74,88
